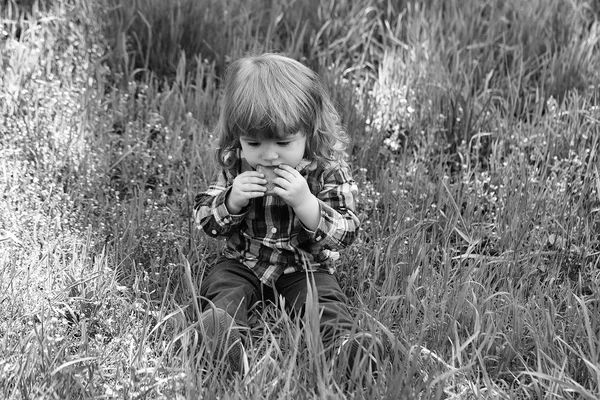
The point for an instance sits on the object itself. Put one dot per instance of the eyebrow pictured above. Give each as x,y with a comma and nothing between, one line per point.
290,136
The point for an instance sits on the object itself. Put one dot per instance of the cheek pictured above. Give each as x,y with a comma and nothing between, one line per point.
247,154
300,150
305,149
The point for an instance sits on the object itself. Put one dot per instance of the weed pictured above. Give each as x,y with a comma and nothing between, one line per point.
475,133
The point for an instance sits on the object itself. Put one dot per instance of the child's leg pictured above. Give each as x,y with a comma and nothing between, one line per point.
227,292
232,287
355,352
336,319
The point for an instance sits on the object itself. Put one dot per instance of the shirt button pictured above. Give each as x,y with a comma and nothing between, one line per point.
214,231
318,238
226,220
273,230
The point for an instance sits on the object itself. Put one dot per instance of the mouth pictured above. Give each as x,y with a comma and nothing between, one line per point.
269,165
259,166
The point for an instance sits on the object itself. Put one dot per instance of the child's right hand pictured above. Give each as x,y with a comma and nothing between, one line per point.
246,186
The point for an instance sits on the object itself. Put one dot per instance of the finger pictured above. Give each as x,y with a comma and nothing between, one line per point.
288,173
287,168
279,191
255,188
281,183
253,195
251,175
259,180
256,192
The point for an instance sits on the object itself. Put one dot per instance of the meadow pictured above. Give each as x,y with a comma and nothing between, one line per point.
475,129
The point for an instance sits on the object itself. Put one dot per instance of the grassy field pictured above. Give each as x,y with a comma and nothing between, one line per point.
475,128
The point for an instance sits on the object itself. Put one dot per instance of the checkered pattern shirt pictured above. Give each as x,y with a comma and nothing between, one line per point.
268,237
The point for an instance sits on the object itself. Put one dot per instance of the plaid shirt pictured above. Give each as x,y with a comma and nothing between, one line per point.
268,237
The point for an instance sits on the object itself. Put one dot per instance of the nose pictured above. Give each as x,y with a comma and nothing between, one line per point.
270,153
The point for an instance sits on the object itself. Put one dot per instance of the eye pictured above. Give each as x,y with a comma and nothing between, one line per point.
284,143
253,144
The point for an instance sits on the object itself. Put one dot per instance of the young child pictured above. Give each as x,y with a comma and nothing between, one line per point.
277,116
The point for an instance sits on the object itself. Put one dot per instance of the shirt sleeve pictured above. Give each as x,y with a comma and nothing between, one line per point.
338,225
210,212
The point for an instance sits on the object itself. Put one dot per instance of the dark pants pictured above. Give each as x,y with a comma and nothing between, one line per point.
233,287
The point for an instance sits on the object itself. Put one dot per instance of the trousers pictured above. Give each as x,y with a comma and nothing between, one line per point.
233,287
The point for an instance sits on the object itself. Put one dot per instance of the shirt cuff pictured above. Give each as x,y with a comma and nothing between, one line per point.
320,233
222,215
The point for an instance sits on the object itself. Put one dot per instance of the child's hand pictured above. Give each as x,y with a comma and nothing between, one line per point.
291,186
246,186
294,190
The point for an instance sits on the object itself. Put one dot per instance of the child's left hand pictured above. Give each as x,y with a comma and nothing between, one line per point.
291,186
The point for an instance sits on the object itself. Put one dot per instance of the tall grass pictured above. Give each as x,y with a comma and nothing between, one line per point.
475,130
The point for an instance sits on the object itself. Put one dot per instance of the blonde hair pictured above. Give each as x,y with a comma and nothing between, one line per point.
269,96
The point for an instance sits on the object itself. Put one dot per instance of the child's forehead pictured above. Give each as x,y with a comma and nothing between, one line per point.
270,136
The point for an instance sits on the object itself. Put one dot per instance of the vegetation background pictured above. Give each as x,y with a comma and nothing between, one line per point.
475,127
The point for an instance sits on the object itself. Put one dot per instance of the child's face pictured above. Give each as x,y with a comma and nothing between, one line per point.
288,150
